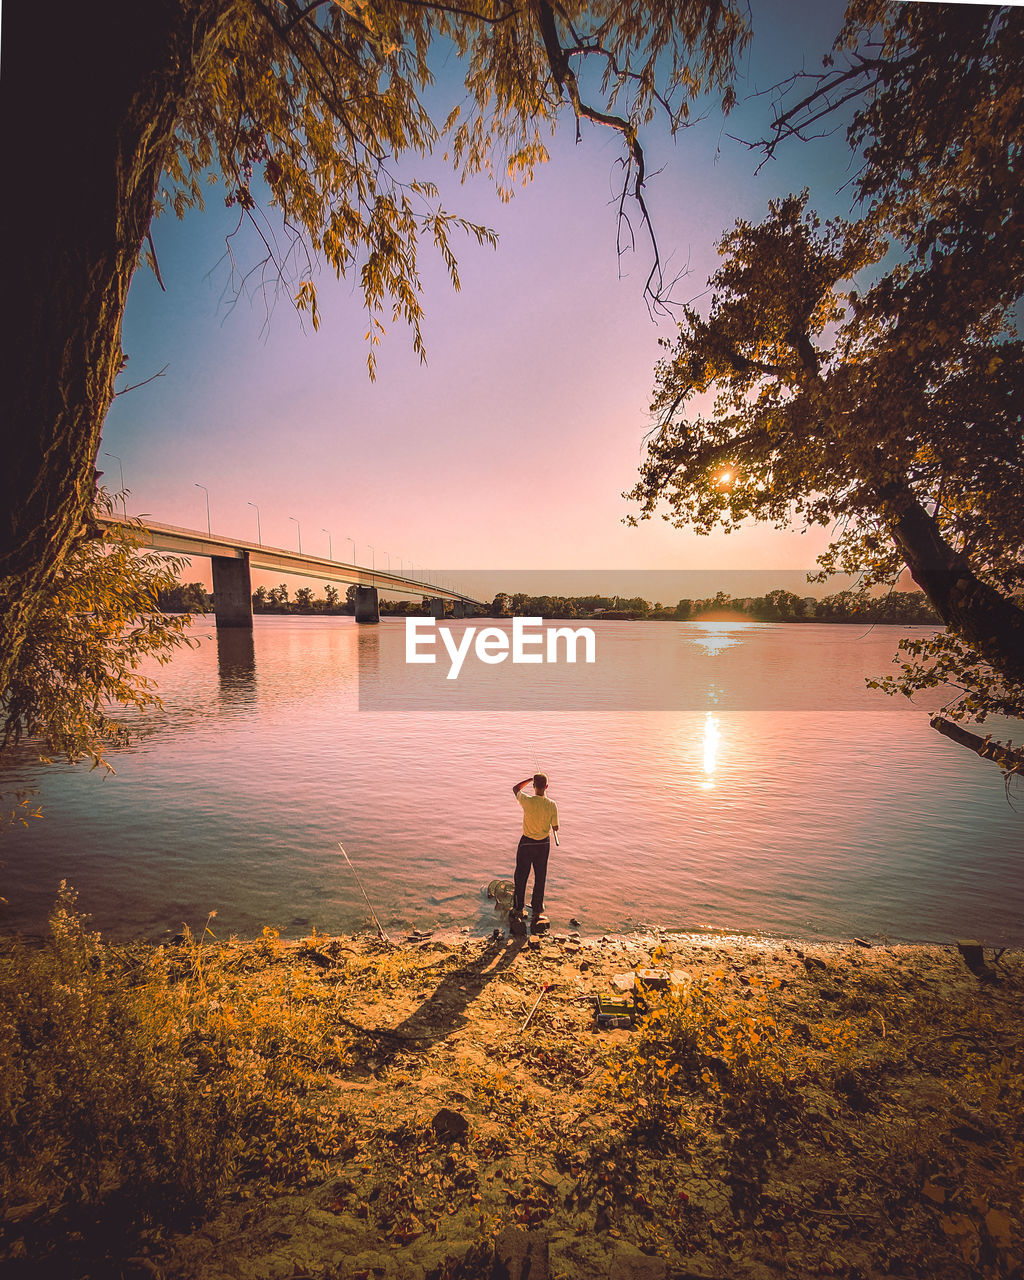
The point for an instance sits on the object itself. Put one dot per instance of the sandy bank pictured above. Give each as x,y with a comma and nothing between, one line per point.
785,1109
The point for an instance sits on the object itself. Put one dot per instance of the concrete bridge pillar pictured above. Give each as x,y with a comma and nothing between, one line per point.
232,590
458,609
367,605
436,608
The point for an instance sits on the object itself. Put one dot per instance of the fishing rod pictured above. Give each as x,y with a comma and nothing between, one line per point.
380,927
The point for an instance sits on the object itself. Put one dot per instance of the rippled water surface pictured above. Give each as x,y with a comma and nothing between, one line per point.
783,796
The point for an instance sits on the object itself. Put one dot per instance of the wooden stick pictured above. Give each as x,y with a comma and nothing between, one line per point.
534,1009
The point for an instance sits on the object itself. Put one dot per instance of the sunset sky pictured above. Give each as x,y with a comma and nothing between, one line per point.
511,447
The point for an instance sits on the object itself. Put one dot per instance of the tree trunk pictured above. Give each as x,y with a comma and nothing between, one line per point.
970,608
91,94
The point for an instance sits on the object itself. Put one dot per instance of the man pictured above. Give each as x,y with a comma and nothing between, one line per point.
540,818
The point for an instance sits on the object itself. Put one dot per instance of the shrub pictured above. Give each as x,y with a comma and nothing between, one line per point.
138,1085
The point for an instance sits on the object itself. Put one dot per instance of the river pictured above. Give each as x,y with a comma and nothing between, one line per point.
729,775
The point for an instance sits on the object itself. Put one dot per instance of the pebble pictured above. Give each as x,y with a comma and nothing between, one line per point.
449,1126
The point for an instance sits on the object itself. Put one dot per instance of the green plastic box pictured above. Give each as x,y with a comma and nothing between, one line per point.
614,1011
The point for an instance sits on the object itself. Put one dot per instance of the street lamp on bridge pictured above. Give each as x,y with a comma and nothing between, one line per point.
353,541
299,529
120,472
330,549
259,531
207,492
372,565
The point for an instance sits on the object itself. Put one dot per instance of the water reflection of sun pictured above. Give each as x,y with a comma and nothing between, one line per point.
711,740
718,632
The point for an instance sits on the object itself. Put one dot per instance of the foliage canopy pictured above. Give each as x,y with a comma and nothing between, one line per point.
868,374
323,102
80,662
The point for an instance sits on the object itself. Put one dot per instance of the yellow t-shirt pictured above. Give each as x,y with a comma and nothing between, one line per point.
539,815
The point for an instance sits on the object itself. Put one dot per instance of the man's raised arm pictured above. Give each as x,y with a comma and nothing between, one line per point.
519,785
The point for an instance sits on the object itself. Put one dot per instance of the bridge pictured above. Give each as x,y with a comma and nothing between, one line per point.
233,560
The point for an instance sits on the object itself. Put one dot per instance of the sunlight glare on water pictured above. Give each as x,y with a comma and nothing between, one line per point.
711,740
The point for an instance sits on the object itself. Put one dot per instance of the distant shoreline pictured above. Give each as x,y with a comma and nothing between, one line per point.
611,616
778,605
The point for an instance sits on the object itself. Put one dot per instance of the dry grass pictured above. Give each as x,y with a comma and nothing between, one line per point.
139,1085
887,1128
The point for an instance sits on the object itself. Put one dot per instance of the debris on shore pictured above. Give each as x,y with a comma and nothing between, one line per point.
776,1110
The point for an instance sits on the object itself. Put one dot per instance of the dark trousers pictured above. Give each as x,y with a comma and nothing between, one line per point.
532,855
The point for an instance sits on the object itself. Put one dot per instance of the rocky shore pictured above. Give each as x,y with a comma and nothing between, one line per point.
779,1109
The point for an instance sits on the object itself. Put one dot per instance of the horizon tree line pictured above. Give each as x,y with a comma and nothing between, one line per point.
908,608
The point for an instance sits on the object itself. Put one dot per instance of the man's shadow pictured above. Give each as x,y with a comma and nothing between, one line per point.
444,1010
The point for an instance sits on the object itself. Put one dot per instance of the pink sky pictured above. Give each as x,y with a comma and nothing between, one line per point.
512,446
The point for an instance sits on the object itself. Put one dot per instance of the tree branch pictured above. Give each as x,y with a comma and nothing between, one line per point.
565,81
135,385
303,13
488,19
156,264
786,123
1009,758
